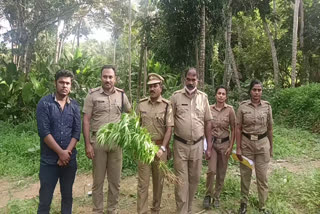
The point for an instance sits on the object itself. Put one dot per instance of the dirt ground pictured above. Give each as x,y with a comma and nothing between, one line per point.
28,189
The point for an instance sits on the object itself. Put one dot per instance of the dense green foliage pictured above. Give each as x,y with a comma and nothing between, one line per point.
130,136
298,107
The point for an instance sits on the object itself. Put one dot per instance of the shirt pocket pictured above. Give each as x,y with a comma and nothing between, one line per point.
182,110
199,112
101,105
145,120
248,118
159,119
263,117
115,109
224,121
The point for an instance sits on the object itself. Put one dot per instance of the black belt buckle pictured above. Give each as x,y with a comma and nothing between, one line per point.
255,137
220,140
188,142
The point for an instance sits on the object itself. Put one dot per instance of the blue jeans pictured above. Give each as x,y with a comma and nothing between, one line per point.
49,175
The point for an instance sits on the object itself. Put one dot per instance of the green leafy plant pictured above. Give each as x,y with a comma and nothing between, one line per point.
136,140
129,135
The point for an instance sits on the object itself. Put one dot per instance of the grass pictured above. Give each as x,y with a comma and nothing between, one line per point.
289,192
20,152
295,143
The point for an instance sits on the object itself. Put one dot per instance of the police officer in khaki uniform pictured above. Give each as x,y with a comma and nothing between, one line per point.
192,120
223,122
254,141
156,117
104,105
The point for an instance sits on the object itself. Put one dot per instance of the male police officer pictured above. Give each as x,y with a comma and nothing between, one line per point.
104,105
192,118
156,117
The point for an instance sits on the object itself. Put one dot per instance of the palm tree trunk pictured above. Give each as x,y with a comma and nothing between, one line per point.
202,46
273,53
114,51
227,61
145,72
130,92
275,22
141,66
294,43
301,22
197,55
57,43
234,68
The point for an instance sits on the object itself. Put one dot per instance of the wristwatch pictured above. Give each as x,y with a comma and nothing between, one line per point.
163,148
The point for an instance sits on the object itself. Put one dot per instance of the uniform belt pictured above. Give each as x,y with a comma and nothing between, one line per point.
188,142
255,136
220,140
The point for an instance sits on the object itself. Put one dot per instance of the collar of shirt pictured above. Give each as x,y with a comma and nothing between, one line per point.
159,100
101,91
55,98
251,103
184,90
215,106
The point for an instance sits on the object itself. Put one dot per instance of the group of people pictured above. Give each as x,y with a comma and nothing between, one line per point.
188,115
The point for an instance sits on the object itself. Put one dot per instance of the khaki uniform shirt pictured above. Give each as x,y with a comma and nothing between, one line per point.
104,108
222,120
190,114
254,120
154,116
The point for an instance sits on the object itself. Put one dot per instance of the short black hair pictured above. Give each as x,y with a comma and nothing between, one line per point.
253,83
186,71
64,73
221,86
109,67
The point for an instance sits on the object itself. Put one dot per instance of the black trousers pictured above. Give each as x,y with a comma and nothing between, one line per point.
49,176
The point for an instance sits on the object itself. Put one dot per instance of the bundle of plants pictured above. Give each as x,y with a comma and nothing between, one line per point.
134,140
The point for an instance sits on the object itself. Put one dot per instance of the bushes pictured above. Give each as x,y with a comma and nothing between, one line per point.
298,107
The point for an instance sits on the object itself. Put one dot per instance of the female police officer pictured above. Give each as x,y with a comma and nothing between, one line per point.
223,120
254,141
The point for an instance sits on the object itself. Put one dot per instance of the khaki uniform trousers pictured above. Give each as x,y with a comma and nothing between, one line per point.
259,152
187,164
217,167
144,171
106,162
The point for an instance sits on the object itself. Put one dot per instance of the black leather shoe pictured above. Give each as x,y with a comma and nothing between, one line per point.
206,202
216,203
243,208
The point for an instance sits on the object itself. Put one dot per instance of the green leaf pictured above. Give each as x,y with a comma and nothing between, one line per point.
27,92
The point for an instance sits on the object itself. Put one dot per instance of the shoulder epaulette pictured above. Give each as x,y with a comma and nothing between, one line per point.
94,89
179,91
143,99
265,102
165,101
245,101
203,93
229,106
119,89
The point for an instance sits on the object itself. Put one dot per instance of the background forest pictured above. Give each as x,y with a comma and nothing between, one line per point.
230,42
